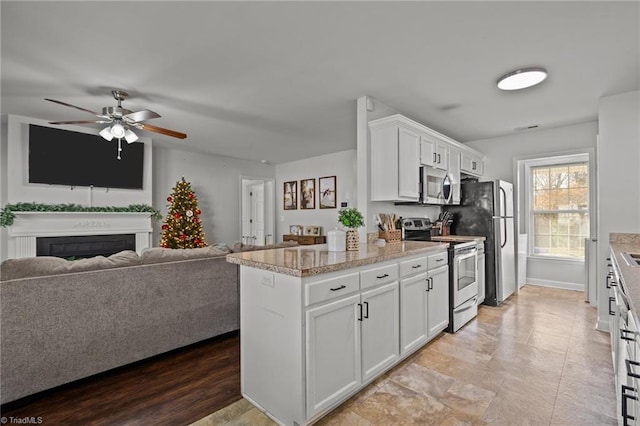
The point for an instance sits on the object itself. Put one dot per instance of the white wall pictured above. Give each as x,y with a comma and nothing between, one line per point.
500,152
216,182
618,180
501,155
340,164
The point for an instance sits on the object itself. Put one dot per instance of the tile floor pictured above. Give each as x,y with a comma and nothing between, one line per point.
535,360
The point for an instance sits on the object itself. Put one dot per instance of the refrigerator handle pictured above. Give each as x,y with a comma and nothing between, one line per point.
504,206
504,221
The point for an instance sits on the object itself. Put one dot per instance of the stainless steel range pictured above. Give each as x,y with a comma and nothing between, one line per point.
463,283
463,272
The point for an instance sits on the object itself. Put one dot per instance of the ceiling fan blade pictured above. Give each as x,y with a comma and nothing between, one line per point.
161,130
141,115
81,122
72,106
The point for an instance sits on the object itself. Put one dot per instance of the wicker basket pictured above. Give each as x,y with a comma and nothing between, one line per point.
391,236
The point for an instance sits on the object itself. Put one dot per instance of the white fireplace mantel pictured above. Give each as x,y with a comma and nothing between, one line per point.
28,226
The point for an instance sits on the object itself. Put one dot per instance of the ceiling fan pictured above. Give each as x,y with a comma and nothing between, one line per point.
120,120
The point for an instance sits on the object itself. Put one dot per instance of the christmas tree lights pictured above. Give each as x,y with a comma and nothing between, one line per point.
182,227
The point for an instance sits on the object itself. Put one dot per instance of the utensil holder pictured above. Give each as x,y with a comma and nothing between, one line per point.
391,236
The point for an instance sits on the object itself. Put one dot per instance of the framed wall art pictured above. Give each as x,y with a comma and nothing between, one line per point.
312,230
308,194
327,192
290,195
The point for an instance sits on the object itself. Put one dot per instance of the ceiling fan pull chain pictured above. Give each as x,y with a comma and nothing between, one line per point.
119,147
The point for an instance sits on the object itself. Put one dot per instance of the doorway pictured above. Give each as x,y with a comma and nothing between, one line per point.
257,205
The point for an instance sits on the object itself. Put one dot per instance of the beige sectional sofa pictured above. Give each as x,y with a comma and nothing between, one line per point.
61,321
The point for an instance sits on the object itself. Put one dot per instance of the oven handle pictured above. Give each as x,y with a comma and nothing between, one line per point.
466,254
474,299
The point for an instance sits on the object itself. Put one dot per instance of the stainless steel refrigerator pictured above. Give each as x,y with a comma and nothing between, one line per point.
486,209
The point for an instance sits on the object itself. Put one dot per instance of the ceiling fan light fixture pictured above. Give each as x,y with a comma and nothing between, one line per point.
522,78
106,133
130,136
117,130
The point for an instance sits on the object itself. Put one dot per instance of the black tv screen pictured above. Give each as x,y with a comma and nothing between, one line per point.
63,157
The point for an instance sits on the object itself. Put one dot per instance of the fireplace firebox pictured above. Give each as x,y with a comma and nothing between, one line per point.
85,245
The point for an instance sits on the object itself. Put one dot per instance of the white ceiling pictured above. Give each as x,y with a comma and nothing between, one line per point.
279,80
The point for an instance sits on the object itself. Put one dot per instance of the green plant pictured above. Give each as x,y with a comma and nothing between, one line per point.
7,213
351,218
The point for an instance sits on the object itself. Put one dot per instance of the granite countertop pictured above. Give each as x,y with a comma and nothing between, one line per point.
630,274
305,261
458,238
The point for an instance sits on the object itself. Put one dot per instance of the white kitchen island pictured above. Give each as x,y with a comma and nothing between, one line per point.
318,326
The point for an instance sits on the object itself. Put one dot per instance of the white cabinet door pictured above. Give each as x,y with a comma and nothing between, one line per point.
434,153
380,329
333,352
395,164
413,312
408,164
428,155
442,156
471,164
438,300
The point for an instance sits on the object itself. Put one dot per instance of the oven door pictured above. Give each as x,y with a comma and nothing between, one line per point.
465,275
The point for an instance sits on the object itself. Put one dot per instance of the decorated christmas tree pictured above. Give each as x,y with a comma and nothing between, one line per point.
182,227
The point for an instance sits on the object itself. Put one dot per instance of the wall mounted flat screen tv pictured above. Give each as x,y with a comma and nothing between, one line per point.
63,157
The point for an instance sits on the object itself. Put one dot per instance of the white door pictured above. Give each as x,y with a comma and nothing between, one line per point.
256,197
380,329
333,352
438,300
413,311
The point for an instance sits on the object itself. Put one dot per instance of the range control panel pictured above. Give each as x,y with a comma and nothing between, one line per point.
416,224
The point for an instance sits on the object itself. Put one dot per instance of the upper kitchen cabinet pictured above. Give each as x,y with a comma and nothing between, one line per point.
471,164
434,152
400,146
395,161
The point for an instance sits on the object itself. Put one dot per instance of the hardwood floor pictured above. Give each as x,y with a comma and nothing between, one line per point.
534,360
176,388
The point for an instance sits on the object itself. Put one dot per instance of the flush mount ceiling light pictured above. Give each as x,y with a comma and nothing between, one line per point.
522,78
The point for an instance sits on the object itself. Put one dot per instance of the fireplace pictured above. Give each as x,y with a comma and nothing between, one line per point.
84,246
32,229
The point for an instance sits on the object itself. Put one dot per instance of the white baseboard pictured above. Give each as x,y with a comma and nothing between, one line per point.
602,325
556,284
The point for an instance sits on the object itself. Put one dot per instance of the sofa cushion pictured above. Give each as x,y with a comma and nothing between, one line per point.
25,267
39,266
240,247
160,254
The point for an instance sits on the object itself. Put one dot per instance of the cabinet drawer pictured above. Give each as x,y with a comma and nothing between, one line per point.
413,266
331,288
437,260
306,240
375,276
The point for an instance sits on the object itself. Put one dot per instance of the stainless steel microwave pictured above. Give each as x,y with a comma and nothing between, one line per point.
436,186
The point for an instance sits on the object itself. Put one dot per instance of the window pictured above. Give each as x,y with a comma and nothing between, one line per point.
559,207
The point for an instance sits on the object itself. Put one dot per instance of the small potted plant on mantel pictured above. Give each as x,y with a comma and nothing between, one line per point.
352,219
